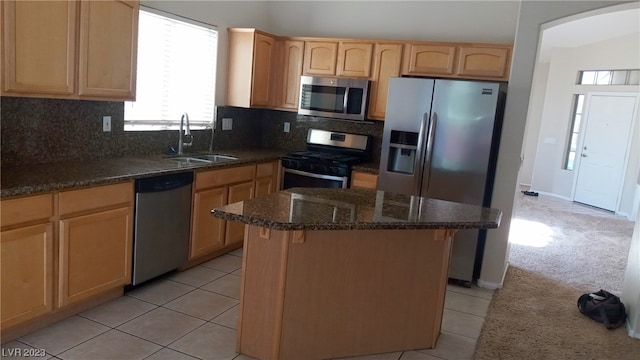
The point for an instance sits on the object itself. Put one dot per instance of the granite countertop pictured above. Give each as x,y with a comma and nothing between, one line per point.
350,209
33,179
368,167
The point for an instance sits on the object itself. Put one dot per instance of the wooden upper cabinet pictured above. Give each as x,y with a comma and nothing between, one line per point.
70,49
386,64
425,59
354,59
320,57
292,52
263,52
249,68
39,46
483,61
108,49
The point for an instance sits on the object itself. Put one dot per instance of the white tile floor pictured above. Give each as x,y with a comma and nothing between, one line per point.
194,314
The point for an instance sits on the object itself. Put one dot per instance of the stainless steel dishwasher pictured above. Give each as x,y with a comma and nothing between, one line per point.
162,225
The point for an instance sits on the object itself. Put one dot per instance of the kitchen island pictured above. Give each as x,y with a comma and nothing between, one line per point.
331,273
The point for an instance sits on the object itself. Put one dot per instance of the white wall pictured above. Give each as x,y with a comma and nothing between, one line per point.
532,129
548,175
631,285
473,21
532,15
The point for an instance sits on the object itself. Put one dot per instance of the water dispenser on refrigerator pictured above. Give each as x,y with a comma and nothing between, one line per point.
403,147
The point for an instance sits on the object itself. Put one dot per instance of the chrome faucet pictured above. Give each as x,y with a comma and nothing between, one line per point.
187,132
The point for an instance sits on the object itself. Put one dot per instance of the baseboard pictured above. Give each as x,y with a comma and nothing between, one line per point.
632,333
626,215
552,195
492,285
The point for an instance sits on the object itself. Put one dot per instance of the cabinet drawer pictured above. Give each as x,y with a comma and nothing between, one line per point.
95,198
221,177
265,169
364,180
26,209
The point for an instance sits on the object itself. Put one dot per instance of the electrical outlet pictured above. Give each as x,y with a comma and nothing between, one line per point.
106,123
227,123
287,127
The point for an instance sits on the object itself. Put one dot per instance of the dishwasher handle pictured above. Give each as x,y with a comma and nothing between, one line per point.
163,182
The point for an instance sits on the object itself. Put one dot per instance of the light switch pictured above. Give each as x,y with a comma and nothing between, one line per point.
287,127
106,123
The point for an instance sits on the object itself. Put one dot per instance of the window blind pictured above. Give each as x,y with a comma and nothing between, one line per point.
176,74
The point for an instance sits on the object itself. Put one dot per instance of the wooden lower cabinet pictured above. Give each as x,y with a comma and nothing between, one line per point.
26,273
237,192
266,178
95,254
363,180
264,186
207,232
215,188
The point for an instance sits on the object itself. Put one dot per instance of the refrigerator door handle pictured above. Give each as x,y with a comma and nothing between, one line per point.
420,151
426,172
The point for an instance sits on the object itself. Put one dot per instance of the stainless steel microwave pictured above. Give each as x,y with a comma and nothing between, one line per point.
342,98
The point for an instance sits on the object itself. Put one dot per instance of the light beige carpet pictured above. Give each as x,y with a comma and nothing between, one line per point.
559,250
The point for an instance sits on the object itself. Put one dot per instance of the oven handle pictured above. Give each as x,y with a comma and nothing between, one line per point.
344,179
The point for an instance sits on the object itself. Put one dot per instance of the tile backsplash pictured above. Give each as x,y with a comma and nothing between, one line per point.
35,130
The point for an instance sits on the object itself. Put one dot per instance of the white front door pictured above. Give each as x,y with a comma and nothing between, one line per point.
603,153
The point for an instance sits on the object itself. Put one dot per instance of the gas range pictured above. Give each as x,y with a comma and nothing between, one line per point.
328,159
320,162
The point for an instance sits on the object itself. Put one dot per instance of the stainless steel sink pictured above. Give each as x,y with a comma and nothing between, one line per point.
215,157
190,160
202,159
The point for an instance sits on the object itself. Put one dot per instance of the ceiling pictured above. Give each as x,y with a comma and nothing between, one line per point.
589,30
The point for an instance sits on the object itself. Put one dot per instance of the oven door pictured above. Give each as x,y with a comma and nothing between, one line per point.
296,178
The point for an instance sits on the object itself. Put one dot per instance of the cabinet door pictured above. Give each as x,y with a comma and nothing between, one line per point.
266,178
386,64
354,59
264,186
237,192
293,51
260,82
422,59
39,46
26,273
108,49
483,62
207,234
95,254
320,57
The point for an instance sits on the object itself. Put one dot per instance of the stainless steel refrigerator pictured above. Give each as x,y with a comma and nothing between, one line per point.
441,141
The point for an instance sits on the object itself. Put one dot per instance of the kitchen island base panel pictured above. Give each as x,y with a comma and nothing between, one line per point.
336,293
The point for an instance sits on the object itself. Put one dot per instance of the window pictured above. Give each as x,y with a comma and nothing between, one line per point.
609,77
176,73
574,130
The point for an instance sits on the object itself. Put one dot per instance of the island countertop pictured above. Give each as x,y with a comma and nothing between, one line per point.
355,209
